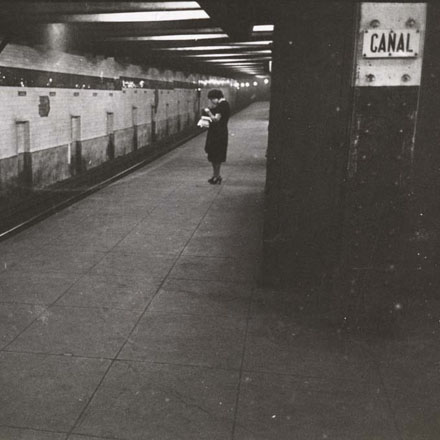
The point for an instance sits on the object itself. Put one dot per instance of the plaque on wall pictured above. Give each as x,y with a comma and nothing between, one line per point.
44,106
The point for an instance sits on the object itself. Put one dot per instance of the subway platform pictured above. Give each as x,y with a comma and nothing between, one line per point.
137,314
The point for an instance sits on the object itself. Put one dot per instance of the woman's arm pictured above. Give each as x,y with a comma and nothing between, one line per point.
215,117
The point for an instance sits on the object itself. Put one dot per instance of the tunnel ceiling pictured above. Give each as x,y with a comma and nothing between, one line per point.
222,37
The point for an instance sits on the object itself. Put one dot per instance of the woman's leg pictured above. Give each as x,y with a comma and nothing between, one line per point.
216,168
216,171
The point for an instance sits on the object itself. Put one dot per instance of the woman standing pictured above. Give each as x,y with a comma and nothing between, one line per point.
217,138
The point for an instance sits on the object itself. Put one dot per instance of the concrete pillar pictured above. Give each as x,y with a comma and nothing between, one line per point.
422,239
379,196
24,156
75,148
353,157
308,140
111,136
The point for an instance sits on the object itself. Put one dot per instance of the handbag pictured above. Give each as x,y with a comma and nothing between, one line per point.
204,122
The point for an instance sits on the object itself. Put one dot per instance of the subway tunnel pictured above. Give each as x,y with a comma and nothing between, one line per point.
141,297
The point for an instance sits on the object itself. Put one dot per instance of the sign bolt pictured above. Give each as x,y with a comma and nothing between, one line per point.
410,22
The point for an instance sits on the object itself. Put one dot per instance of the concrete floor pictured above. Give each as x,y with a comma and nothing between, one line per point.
135,314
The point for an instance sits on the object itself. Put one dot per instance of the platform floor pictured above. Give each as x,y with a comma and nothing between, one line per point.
136,314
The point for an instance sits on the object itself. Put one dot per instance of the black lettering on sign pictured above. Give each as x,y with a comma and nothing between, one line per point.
408,49
401,44
382,44
392,42
373,48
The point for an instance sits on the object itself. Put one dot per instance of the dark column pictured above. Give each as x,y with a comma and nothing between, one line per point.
376,269
354,159
24,156
134,115
308,140
111,136
422,253
77,165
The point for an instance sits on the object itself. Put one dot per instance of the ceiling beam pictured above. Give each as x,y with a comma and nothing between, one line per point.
217,55
234,17
105,30
238,60
4,42
248,45
114,18
24,8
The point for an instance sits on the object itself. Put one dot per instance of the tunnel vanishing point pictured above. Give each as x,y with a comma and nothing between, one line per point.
353,159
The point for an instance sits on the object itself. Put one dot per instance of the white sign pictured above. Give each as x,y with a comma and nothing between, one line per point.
380,43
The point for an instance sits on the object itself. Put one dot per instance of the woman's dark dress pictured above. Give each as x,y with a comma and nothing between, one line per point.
217,138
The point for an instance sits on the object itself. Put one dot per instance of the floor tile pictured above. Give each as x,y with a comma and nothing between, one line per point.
282,407
214,269
226,246
27,434
88,242
84,223
285,346
140,401
412,383
62,261
33,287
46,392
418,423
203,297
242,219
161,217
187,339
121,262
36,236
85,437
14,318
77,331
180,217
153,242
298,303
162,226
10,260
17,246
114,291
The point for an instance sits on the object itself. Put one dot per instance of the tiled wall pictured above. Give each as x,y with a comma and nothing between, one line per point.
50,136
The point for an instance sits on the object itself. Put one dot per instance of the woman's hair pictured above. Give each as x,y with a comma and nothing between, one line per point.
215,94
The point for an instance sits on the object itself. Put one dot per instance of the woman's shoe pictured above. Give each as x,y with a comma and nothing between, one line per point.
215,180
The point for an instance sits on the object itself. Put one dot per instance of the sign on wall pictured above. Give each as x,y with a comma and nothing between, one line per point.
390,44
44,106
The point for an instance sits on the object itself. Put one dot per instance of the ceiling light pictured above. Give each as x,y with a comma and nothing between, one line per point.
173,5
256,43
263,28
228,55
237,60
149,16
181,37
222,47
